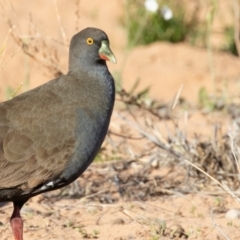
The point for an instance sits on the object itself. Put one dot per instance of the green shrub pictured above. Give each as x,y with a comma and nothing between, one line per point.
145,27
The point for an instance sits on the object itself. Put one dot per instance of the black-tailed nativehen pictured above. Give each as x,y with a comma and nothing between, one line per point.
50,134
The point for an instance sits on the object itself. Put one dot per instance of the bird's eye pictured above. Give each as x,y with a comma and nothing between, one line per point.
90,41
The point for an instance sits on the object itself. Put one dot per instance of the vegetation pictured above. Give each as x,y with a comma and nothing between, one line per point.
170,22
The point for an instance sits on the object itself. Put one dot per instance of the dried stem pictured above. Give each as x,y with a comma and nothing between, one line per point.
60,22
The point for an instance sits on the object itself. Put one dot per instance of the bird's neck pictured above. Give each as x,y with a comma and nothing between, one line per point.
98,82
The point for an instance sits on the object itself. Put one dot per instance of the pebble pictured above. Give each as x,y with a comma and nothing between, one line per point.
118,221
233,214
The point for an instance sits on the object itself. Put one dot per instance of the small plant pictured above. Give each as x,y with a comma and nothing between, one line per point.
83,232
69,224
210,103
98,158
230,45
86,235
218,202
193,210
11,92
95,233
158,229
205,100
230,223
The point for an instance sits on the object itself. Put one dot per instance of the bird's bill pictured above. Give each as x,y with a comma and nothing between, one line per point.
106,53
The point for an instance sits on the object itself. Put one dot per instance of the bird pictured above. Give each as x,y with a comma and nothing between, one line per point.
50,135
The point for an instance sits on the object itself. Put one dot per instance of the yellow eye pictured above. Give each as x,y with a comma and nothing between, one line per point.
89,41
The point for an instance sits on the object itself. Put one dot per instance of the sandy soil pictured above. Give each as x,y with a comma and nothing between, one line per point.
164,68
186,217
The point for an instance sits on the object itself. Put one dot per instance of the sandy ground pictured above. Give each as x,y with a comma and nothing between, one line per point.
165,68
186,217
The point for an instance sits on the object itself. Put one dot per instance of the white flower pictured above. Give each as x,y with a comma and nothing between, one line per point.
151,5
166,13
